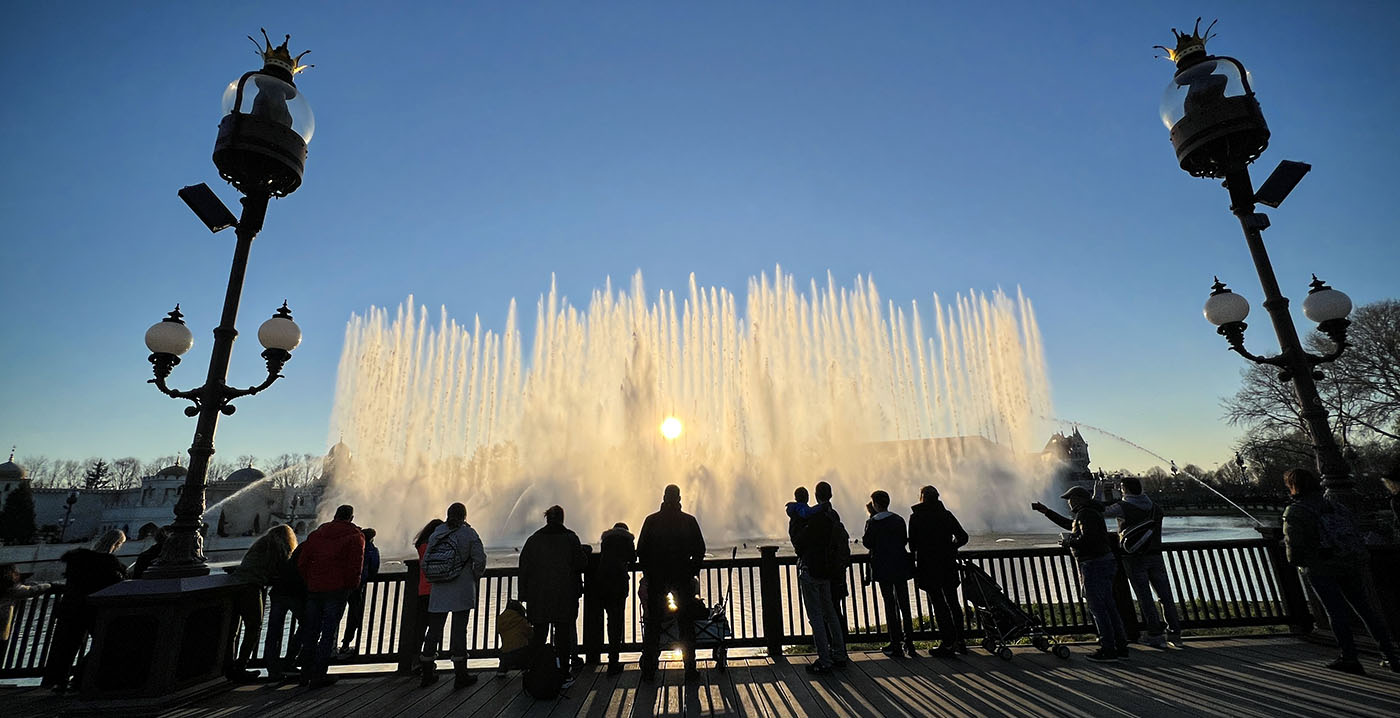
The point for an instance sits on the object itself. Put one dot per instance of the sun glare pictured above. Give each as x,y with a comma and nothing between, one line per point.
671,428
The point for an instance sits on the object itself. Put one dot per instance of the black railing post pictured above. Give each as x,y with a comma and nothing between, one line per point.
592,613
1295,598
771,595
410,626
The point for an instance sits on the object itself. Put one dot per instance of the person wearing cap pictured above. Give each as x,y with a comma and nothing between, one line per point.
617,553
670,549
935,535
1088,541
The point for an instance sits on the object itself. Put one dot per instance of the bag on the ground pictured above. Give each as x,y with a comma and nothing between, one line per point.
542,678
442,561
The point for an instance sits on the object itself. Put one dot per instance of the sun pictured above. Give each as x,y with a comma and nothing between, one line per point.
671,428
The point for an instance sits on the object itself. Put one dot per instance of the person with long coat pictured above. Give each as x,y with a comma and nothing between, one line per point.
935,537
890,565
86,571
456,596
670,549
261,565
551,564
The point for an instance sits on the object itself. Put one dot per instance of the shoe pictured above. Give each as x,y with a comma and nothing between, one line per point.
1347,665
568,681
943,651
614,669
840,663
909,650
428,673
502,672
1157,641
818,668
893,651
1174,640
1391,663
1102,656
323,681
461,675
960,647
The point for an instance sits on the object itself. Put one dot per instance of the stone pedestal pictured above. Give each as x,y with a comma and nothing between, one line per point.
159,642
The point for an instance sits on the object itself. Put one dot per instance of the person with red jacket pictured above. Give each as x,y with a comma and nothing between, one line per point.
331,560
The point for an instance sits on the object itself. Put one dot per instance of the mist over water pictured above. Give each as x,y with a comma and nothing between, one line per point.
785,386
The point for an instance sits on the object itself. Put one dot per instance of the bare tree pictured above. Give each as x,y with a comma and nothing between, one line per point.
67,473
40,470
126,472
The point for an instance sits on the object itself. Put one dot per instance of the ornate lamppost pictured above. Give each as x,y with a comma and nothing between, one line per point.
1218,129
68,514
261,151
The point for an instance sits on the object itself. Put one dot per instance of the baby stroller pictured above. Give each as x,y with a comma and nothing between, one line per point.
1002,619
712,629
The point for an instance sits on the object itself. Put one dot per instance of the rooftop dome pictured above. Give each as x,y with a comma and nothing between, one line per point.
175,470
246,475
10,471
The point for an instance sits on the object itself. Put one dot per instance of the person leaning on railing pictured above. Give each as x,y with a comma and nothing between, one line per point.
1088,542
1140,537
86,571
1322,540
12,591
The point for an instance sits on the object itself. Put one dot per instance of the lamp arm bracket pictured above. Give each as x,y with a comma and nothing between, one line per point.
1278,361
1329,357
231,394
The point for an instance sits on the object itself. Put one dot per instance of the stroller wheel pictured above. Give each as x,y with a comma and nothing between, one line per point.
1005,653
989,645
1061,651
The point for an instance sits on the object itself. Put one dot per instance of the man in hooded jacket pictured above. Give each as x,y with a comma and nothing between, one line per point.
550,565
670,549
935,537
1140,529
1088,541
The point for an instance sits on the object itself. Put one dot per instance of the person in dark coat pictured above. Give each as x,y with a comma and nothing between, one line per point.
670,549
286,596
818,580
1088,541
935,537
331,560
551,563
152,552
885,538
86,571
1322,540
355,613
617,553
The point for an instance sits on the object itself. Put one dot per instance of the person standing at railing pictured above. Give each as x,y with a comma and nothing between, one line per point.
420,544
670,549
259,567
935,535
453,562
355,614
1140,539
1323,541
1088,541
890,563
551,565
617,554
86,571
823,553
152,552
287,596
12,591
330,562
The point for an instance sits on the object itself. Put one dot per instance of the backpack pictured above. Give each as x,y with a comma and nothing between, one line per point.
838,549
1135,538
542,678
442,562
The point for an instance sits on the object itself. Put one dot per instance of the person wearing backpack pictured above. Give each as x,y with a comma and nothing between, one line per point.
1322,541
550,565
452,563
1088,542
1140,539
886,538
670,549
935,535
823,553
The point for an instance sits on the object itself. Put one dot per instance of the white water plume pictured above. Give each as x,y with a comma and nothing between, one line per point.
831,383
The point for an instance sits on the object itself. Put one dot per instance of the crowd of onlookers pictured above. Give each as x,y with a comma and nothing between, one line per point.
316,581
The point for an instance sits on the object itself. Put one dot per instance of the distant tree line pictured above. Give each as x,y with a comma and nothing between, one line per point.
93,473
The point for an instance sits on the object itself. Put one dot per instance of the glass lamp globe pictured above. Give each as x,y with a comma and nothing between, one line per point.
1209,107
280,332
261,148
1324,303
169,335
272,99
1225,307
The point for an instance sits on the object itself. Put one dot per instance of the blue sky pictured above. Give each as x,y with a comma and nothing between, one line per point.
466,151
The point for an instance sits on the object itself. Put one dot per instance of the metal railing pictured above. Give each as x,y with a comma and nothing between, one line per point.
1217,584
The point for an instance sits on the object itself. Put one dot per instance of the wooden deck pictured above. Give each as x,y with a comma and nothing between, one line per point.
1246,677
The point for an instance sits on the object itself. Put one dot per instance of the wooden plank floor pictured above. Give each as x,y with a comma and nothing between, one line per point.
1246,677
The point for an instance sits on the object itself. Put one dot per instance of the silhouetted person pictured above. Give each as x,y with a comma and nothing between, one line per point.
355,613
420,544
1323,542
1088,541
817,574
1140,532
935,537
331,560
260,567
152,552
890,567
670,549
12,591
86,571
551,564
617,553
456,547
286,597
